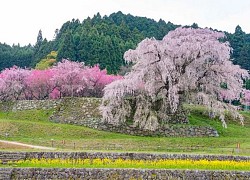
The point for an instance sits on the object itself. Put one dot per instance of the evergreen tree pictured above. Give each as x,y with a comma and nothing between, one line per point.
67,49
39,40
244,57
238,41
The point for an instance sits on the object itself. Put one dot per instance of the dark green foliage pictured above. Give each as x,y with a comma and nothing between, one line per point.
67,49
15,55
223,85
244,56
99,40
240,42
103,40
247,84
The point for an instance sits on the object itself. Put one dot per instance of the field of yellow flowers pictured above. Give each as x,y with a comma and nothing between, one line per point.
142,164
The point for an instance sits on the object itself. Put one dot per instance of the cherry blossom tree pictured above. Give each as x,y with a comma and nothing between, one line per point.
3,89
95,80
67,77
187,65
12,83
75,79
39,84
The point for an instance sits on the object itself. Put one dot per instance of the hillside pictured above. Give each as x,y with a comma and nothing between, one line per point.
34,127
103,40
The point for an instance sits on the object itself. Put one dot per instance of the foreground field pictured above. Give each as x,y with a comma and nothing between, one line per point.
34,127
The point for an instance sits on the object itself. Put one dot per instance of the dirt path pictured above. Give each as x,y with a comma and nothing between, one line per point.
27,145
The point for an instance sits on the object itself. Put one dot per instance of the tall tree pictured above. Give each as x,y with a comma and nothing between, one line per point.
244,56
67,49
188,65
39,40
237,42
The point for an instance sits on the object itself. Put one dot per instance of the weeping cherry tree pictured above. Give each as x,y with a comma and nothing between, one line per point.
186,66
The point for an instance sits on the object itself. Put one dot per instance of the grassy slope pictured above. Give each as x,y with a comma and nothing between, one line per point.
33,127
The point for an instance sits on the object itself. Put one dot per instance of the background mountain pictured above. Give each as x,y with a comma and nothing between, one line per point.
103,40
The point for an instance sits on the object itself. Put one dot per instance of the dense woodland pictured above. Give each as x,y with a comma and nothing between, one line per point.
103,40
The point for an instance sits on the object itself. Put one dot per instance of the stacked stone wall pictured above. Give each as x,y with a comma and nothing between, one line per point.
22,105
111,155
108,173
118,174
85,112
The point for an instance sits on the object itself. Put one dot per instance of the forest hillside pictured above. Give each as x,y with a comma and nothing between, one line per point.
104,39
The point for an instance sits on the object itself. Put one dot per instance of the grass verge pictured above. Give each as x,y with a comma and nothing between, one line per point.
34,127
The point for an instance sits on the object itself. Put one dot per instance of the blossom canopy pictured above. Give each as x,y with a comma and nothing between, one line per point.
187,65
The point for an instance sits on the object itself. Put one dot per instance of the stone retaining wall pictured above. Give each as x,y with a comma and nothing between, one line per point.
35,104
74,110
85,111
118,174
93,155
28,105
170,130
86,173
112,174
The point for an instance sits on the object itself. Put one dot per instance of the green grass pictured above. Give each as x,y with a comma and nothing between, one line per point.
34,127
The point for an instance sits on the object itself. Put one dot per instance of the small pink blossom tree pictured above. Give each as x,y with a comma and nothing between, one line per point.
95,80
188,65
39,84
68,77
12,83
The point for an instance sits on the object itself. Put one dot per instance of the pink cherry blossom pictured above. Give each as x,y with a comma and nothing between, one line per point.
188,65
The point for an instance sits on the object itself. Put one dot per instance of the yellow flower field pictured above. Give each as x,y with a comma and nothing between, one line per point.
121,163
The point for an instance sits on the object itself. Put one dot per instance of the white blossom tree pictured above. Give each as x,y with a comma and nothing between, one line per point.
188,65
